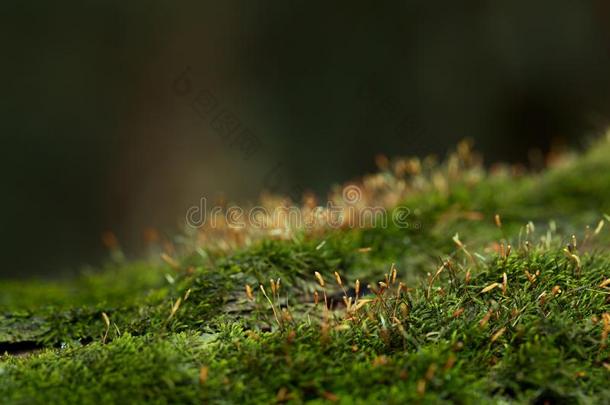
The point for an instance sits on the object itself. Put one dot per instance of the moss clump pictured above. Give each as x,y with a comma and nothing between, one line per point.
482,310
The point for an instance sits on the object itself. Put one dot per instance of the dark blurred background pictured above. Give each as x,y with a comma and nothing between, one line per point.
120,115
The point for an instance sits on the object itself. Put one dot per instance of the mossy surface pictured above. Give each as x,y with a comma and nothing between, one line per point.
475,321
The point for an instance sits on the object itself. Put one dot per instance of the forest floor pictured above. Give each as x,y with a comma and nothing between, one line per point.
492,287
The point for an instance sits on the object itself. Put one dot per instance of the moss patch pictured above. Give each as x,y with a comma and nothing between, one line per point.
486,312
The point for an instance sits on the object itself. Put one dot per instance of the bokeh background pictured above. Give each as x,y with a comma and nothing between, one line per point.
110,109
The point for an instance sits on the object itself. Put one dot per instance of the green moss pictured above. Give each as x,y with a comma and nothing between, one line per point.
535,337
